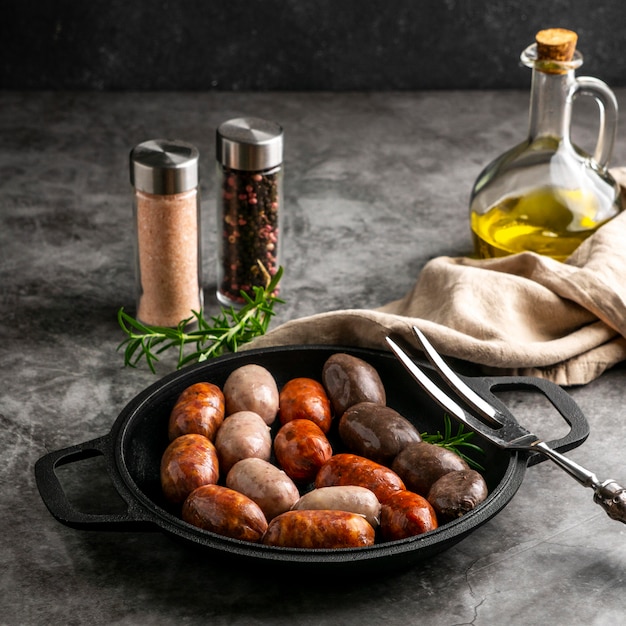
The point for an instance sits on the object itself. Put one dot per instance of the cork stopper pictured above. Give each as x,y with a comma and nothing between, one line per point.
556,44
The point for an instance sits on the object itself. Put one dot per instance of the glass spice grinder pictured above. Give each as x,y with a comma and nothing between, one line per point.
166,209
249,155
546,195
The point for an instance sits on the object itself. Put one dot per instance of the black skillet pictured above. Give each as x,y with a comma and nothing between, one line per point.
132,451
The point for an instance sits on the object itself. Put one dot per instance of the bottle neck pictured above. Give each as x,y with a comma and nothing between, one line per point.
550,106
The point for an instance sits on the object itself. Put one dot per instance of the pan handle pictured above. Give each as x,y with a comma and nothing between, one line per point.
559,398
55,499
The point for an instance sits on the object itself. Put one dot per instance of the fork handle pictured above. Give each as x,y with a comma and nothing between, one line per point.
612,498
610,495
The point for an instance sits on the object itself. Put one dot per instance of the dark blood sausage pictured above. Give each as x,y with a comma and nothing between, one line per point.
376,431
188,462
457,493
305,398
349,380
421,464
351,469
319,529
405,514
225,512
199,409
301,448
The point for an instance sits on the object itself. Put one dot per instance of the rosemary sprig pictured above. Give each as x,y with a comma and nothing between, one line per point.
211,337
454,442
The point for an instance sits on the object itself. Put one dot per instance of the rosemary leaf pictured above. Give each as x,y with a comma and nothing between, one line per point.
455,443
212,337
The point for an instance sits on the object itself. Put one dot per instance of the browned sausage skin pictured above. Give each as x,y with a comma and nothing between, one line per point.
225,512
305,398
405,514
351,469
188,462
319,529
199,409
301,448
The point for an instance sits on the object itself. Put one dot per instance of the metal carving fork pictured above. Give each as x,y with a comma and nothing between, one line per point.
500,429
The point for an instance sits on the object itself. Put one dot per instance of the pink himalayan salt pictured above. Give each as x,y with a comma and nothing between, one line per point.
167,253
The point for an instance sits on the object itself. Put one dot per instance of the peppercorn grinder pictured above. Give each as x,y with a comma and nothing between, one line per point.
249,155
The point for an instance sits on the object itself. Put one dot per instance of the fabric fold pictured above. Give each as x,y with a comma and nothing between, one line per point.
524,314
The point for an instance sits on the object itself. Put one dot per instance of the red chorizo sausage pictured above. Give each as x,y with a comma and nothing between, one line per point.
405,514
351,469
199,409
319,529
301,448
305,398
189,461
225,512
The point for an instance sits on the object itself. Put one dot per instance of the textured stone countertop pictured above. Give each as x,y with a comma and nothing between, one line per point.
376,185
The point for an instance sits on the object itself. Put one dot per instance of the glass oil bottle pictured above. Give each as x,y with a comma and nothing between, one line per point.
546,195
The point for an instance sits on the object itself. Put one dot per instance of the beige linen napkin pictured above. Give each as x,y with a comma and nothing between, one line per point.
523,314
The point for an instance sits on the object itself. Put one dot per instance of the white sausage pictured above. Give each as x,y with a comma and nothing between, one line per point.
252,388
264,483
348,498
242,435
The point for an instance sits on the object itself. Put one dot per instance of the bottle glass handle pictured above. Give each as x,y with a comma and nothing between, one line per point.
607,104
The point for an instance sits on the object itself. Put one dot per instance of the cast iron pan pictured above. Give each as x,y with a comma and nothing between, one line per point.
132,451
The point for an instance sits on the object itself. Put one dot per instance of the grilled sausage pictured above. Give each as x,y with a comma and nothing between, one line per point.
376,431
252,388
225,512
349,380
264,483
305,398
421,464
351,469
301,448
457,493
405,514
349,498
188,462
199,409
319,529
242,435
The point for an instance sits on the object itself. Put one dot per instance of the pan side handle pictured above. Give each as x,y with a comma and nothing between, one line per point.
55,498
558,397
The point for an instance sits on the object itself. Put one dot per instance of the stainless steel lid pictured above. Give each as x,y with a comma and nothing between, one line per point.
249,144
162,166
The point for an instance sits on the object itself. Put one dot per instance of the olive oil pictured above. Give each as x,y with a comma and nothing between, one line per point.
546,195
549,221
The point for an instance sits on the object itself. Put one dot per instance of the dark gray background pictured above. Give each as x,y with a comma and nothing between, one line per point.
299,45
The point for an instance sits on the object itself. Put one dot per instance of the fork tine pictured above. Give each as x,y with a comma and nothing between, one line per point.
479,404
427,384
443,399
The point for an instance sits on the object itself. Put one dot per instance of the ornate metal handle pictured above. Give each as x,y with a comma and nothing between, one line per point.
610,495
612,498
